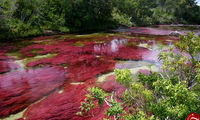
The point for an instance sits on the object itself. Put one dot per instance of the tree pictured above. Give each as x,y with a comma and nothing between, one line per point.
89,14
182,11
140,11
6,12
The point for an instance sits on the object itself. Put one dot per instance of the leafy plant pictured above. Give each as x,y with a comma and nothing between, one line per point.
93,95
123,76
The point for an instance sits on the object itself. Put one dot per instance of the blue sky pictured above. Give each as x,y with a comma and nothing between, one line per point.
198,1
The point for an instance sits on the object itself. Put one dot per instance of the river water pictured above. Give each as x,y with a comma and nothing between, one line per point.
47,77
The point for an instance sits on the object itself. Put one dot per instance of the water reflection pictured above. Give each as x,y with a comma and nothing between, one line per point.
112,46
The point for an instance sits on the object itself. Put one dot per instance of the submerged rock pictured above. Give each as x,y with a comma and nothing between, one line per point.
175,33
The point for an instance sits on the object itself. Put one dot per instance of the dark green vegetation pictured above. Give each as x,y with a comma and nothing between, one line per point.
21,18
168,95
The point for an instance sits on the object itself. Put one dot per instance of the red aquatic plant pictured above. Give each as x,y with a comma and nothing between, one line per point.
116,48
19,89
122,52
6,66
82,63
39,48
110,85
3,57
89,67
144,71
63,106
6,63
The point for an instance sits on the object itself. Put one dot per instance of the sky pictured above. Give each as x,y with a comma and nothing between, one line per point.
198,2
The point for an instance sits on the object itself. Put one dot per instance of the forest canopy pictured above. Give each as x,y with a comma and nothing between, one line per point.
22,18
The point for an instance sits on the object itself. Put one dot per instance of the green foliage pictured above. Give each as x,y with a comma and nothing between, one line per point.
179,67
115,109
139,11
93,95
52,15
174,101
22,18
122,18
148,80
5,15
123,76
97,94
189,44
162,17
175,90
87,15
137,96
181,11
140,115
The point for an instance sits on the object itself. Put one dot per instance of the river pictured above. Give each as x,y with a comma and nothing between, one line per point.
47,77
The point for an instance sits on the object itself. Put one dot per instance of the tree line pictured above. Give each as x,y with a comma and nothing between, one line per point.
22,18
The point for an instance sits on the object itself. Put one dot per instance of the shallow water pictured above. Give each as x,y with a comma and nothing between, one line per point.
48,76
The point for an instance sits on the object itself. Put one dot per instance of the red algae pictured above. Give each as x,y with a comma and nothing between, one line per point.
144,71
84,69
122,52
19,89
29,50
110,85
63,106
6,63
70,53
6,66
67,53
4,57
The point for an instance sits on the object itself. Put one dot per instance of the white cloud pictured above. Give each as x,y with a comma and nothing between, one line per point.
198,2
